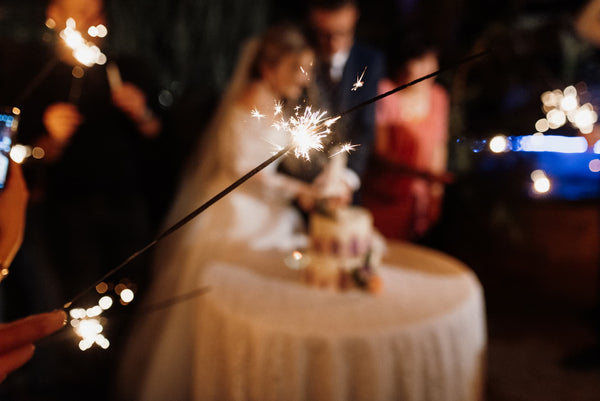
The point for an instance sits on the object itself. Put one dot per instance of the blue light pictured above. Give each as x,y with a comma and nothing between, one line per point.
550,143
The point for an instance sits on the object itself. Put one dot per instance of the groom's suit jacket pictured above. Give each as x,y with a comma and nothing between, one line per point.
357,127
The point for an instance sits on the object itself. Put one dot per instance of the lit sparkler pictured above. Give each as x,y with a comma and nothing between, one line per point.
306,130
304,72
88,324
84,52
359,82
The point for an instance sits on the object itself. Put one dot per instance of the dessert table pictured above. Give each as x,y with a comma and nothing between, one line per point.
265,335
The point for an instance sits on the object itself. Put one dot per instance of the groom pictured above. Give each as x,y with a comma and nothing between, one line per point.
340,62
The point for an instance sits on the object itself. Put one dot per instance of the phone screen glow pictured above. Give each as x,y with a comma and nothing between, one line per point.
7,128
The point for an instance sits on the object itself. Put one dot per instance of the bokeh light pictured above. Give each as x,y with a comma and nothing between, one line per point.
105,302
126,295
499,144
541,183
594,165
18,153
541,125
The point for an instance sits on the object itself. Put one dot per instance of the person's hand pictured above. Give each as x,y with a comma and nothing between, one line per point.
17,338
342,199
13,202
132,101
306,198
61,121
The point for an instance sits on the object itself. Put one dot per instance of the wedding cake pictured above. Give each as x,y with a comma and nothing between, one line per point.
342,251
343,246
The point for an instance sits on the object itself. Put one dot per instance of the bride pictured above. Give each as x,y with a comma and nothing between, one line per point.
256,216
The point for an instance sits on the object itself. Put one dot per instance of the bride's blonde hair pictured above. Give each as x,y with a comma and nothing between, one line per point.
277,42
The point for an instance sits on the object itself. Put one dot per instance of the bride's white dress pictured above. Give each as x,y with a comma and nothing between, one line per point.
158,360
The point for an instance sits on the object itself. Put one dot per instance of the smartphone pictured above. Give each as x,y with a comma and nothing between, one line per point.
9,122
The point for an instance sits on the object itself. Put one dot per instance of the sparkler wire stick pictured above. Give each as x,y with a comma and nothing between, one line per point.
183,221
249,175
75,91
416,81
174,300
34,83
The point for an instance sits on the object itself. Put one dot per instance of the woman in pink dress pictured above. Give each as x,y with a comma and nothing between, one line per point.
404,185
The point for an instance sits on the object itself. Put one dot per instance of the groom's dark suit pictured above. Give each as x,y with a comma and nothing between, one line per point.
357,127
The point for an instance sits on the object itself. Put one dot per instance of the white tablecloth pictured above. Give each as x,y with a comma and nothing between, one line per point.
264,335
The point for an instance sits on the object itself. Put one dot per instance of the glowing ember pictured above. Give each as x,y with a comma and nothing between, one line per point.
331,121
256,114
278,107
346,147
359,82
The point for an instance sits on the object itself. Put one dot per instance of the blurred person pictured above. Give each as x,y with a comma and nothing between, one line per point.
17,338
587,22
404,186
255,217
92,190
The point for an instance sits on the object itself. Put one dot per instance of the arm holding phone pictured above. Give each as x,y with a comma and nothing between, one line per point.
17,338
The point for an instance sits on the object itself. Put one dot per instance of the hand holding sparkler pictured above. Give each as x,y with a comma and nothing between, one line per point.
132,101
307,198
61,120
17,338
13,201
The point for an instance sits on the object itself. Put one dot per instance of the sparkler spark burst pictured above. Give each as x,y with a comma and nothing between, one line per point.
256,114
359,82
346,147
278,108
306,130
84,52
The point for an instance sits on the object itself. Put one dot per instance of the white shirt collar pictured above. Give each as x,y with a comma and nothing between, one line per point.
338,61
